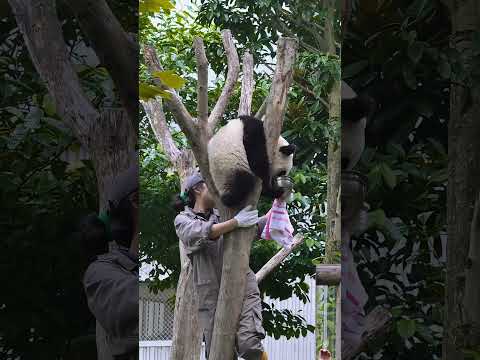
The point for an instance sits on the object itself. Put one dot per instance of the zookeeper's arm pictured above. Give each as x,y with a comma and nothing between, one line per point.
245,218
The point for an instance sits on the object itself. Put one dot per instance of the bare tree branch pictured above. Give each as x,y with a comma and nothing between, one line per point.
202,82
277,99
278,258
156,116
248,85
232,76
42,32
175,104
196,135
261,111
114,48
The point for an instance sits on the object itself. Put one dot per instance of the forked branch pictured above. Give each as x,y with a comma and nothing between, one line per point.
277,99
156,117
175,104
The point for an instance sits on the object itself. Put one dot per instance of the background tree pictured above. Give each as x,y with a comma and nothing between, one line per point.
53,166
399,55
462,314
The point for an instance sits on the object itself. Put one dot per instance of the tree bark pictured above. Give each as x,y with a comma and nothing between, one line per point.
277,259
462,324
115,49
108,137
333,228
41,29
333,244
113,153
329,275
248,85
187,340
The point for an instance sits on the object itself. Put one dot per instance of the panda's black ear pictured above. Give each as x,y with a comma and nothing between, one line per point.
288,149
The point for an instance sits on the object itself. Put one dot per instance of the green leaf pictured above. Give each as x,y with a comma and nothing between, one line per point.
309,242
475,355
388,176
396,150
155,6
170,79
409,77
377,219
49,105
415,51
444,68
439,176
406,328
147,92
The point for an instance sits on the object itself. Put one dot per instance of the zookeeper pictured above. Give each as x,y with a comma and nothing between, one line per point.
111,279
199,229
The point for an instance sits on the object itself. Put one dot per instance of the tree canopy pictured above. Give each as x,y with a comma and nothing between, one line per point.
397,55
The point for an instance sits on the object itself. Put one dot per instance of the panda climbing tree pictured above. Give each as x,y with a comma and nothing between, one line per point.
275,159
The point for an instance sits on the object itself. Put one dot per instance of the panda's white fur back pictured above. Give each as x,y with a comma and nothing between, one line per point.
226,151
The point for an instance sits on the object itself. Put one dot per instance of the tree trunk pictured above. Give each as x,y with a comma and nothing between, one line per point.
117,51
111,154
237,244
187,341
462,317
332,246
236,258
333,229
109,137
187,337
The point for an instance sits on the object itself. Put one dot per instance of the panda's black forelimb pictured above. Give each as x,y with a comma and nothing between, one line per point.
255,144
239,184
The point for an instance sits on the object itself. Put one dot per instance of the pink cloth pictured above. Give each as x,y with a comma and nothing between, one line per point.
278,226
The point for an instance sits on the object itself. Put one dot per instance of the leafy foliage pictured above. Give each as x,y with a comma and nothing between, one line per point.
400,59
48,184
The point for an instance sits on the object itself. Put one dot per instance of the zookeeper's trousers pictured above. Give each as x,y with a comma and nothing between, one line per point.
250,330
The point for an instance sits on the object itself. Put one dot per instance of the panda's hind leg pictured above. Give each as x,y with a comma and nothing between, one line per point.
238,186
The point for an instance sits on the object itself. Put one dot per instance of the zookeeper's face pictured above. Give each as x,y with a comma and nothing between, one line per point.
206,196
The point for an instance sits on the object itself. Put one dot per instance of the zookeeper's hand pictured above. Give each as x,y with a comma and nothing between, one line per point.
247,217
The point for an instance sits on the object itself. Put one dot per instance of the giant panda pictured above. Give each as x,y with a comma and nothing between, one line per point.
355,112
237,154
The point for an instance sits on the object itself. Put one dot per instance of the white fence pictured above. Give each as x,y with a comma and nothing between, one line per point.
157,347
